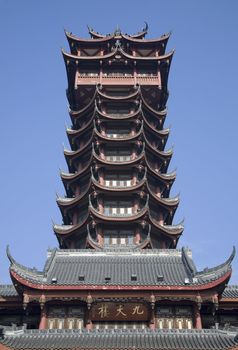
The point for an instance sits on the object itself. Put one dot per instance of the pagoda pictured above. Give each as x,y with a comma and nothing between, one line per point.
118,280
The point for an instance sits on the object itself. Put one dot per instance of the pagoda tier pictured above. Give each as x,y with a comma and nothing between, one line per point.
118,164
116,68
134,45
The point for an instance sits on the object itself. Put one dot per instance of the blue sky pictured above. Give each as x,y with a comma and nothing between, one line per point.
203,107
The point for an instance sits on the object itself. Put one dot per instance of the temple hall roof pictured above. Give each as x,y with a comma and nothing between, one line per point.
7,290
230,292
120,339
161,269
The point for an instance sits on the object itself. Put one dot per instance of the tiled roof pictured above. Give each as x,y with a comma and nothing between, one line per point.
230,292
7,290
120,339
149,268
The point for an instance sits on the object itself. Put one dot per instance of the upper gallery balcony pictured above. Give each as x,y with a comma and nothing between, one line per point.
117,78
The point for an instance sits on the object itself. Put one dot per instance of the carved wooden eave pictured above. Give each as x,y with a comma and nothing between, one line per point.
70,177
78,40
74,134
166,178
161,133
160,114
137,160
117,53
164,155
71,202
133,115
168,203
99,217
130,96
167,230
81,112
68,230
162,39
133,188
146,242
108,140
71,155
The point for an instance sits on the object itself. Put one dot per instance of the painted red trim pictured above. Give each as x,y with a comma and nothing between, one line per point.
104,287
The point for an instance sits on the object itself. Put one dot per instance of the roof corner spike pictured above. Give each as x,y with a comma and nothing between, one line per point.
145,29
90,29
233,253
10,258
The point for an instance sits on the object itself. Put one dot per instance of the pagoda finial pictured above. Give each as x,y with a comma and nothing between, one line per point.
90,29
66,32
117,31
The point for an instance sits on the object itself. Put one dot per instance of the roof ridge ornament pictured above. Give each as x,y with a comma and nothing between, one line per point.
186,260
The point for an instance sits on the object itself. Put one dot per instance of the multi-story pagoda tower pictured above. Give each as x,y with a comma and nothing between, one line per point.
117,185
118,266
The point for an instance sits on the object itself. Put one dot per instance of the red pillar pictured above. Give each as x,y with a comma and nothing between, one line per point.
161,219
43,318
137,236
152,319
100,206
101,177
100,236
197,317
134,178
88,322
89,325
158,191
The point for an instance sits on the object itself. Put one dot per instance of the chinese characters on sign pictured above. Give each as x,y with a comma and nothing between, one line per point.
119,312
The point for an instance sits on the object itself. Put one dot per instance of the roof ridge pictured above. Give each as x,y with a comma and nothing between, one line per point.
12,331
231,286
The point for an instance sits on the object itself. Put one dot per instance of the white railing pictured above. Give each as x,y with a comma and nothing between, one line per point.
117,136
118,183
118,158
115,211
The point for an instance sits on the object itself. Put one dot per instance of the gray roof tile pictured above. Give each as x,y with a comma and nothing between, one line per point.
230,292
63,267
120,339
7,290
